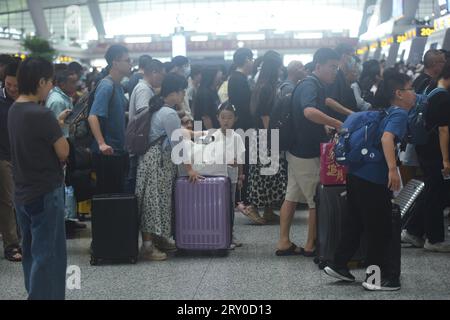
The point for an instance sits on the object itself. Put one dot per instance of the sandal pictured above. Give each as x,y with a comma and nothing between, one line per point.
13,253
241,207
309,254
292,251
252,213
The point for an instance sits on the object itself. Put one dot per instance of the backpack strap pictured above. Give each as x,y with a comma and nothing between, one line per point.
113,92
435,91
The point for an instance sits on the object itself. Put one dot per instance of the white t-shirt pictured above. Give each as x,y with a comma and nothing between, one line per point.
219,156
226,149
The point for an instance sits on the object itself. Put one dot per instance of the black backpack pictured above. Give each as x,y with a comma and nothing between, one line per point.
281,117
281,120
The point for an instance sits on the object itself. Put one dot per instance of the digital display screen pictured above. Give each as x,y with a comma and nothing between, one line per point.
425,31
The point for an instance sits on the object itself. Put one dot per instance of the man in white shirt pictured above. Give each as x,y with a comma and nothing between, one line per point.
139,100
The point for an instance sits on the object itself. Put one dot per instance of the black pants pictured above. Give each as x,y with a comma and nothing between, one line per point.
369,211
111,172
428,217
130,181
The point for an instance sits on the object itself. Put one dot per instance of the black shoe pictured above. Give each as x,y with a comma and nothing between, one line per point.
385,285
339,273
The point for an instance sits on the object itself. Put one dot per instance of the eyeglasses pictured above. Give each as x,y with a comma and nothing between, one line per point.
126,60
407,89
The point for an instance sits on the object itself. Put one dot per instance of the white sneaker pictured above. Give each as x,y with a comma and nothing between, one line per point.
411,239
437,247
236,243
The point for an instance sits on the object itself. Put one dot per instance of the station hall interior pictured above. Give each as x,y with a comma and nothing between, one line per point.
213,40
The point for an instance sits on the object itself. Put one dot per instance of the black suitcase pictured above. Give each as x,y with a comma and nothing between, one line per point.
407,200
395,247
115,229
331,206
111,172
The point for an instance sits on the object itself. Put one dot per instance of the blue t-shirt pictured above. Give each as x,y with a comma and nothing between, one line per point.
308,135
396,122
111,117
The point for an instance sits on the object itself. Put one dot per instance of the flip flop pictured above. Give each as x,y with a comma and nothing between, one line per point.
292,251
12,253
241,207
252,213
309,254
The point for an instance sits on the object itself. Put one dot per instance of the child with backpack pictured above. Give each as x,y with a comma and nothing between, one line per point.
368,147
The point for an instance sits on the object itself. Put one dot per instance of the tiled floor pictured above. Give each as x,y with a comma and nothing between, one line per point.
250,272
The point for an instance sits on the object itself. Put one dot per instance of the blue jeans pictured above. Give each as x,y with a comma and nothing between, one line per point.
44,246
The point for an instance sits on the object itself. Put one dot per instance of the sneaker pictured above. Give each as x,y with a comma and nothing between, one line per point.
236,243
437,247
385,285
164,244
417,242
152,254
341,274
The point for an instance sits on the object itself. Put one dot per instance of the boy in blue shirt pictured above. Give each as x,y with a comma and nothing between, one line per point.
107,122
369,192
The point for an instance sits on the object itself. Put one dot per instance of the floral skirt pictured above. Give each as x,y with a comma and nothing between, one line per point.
267,190
154,185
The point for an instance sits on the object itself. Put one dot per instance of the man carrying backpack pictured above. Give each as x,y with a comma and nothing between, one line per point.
434,62
428,218
140,99
107,121
309,120
373,175
296,72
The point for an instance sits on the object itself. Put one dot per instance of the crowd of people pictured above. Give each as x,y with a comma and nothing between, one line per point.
37,149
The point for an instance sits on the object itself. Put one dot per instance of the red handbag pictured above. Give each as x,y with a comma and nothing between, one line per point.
331,173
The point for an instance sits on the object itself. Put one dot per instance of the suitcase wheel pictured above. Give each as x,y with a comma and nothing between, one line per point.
222,253
133,260
316,260
94,261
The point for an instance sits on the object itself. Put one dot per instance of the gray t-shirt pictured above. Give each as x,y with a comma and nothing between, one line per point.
140,98
33,130
164,123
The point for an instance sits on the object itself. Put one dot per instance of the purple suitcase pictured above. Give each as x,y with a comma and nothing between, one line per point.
203,214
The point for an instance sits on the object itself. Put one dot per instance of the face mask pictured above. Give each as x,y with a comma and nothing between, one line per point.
187,71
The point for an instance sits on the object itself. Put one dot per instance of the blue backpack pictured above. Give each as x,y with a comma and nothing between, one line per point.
417,129
359,140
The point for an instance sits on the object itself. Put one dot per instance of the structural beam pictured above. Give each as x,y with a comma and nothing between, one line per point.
38,17
367,14
97,18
